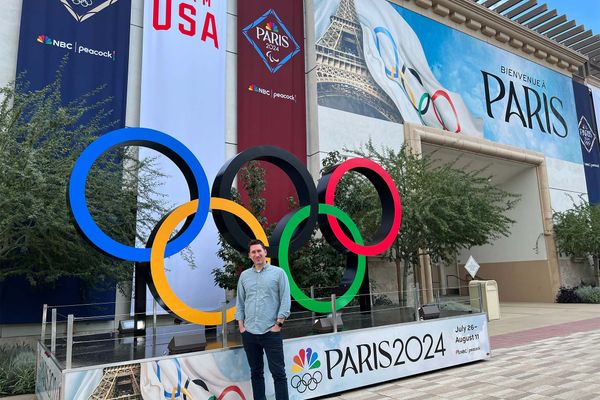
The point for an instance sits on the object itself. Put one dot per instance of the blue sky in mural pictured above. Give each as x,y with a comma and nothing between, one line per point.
457,60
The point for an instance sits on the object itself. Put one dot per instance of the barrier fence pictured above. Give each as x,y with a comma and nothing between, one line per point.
77,340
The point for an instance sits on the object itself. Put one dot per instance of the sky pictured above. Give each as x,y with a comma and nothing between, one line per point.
586,12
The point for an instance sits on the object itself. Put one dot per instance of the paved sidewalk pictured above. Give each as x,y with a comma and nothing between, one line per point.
539,351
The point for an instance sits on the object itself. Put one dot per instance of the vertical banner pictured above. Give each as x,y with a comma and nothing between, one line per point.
271,91
93,38
183,95
94,35
588,136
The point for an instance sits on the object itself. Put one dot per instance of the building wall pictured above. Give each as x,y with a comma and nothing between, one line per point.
325,134
10,19
523,243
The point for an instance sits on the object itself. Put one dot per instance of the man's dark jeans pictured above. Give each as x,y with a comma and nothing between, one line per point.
272,344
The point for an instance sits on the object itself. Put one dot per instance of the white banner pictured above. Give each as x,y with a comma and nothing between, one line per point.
315,365
183,95
48,381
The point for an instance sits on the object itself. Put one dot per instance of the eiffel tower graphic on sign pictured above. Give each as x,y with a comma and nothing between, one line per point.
119,383
343,79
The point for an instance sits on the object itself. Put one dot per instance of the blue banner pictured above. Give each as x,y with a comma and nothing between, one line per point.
94,34
588,137
93,37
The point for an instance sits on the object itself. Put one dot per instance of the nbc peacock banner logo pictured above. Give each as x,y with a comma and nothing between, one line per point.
305,366
258,89
44,39
272,27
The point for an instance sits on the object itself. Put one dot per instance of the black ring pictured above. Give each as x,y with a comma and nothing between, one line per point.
320,377
418,77
236,233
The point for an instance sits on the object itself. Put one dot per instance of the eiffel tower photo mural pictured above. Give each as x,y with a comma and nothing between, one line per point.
119,383
343,79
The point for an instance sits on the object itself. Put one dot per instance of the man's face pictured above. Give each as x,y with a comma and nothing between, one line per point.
257,254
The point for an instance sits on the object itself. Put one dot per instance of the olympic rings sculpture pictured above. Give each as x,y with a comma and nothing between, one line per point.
396,73
235,223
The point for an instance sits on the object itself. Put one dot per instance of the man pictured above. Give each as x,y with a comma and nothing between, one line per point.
263,304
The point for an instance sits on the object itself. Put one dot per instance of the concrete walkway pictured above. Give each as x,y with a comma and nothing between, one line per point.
539,351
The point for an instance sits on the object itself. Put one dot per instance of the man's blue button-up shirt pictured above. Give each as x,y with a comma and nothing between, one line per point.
262,298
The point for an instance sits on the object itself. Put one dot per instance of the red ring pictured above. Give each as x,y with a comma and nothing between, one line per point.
232,388
447,97
366,250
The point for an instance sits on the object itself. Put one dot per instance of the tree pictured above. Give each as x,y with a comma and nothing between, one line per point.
41,137
444,209
577,232
315,264
252,179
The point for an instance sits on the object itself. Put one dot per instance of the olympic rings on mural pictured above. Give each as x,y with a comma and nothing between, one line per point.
184,390
307,381
396,73
291,232
177,389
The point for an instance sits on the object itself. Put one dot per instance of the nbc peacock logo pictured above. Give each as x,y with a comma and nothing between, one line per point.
257,89
305,365
272,26
44,39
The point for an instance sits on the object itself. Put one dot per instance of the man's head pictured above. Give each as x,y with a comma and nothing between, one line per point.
257,252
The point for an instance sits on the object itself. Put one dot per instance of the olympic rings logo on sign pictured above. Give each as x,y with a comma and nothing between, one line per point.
83,3
290,234
306,381
396,73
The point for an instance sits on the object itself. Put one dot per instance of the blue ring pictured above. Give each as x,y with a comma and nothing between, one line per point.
161,142
167,394
386,32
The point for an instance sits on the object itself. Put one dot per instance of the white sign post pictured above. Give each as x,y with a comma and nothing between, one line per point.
472,267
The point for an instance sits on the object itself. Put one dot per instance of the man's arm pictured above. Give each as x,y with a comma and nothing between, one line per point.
240,314
285,301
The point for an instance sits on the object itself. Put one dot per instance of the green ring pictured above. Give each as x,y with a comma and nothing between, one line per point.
297,293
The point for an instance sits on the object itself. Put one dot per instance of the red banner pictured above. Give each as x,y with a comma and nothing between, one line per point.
271,92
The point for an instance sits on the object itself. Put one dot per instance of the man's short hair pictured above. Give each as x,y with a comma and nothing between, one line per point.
255,242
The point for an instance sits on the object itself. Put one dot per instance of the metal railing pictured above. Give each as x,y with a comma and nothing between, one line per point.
71,335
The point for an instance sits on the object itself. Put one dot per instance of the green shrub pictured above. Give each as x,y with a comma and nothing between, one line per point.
567,295
588,294
17,370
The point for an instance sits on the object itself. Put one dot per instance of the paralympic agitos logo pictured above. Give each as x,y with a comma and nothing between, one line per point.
316,204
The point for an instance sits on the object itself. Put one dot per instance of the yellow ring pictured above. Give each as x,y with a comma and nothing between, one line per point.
157,258
408,89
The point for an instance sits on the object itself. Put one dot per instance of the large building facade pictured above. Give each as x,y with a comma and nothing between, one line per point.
489,87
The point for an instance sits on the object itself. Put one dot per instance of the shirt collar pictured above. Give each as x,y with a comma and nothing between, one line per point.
263,268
